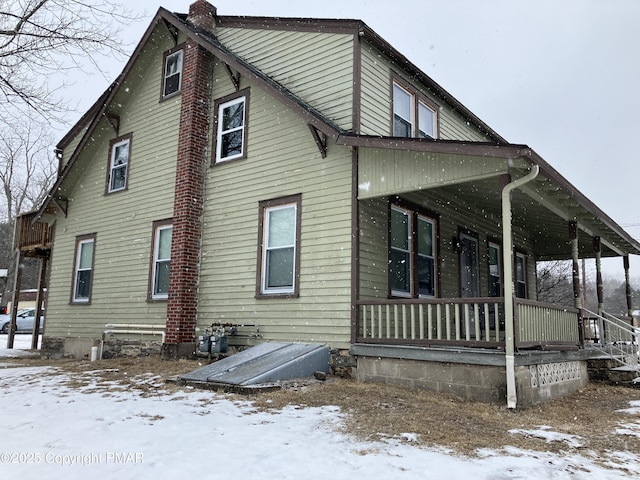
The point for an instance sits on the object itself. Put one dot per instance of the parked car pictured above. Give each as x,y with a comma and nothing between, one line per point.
24,321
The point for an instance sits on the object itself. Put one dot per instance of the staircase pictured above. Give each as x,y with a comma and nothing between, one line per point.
617,344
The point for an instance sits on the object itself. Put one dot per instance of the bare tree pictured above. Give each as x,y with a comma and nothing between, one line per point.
42,42
27,167
40,39
27,171
555,283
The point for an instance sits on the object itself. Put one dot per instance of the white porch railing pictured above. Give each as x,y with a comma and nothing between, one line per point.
432,321
475,322
543,324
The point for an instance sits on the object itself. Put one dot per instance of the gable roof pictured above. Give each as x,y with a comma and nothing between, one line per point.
499,147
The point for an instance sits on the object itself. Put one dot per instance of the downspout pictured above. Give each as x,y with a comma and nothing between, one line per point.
508,284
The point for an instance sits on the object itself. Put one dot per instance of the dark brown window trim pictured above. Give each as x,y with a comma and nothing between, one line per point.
164,66
518,251
79,239
397,79
263,205
498,242
112,143
245,92
416,210
156,224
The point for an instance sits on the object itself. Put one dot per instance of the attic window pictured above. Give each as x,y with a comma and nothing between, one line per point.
172,73
119,164
413,115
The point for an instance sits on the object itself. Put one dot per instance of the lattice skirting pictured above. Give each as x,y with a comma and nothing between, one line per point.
550,373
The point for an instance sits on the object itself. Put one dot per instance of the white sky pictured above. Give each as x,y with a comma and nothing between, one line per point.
559,76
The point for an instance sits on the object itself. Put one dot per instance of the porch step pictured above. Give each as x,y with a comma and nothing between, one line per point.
625,375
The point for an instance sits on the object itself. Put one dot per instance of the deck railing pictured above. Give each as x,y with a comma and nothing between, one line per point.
473,322
33,235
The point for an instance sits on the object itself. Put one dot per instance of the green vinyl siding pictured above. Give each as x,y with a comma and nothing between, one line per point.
282,160
317,67
122,221
375,108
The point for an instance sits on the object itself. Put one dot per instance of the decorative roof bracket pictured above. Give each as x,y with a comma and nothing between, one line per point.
320,139
62,204
173,31
114,121
235,79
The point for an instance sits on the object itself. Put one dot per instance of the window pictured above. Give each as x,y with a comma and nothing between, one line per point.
172,78
521,275
231,127
495,270
162,232
119,164
412,256
279,251
426,257
83,269
413,116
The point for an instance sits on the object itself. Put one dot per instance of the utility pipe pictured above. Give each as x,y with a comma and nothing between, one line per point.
507,236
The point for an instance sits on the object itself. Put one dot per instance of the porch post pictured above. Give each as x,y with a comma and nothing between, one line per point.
573,236
17,281
44,262
577,295
509,289
627,285
597,248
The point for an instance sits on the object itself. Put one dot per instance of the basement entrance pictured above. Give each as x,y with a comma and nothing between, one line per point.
263,364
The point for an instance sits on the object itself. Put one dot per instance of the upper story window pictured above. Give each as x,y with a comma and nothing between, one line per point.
231,126
83,269
279,247
413,116
119,164
412,256
172,78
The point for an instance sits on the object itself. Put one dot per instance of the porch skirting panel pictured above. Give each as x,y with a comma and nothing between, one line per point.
472,375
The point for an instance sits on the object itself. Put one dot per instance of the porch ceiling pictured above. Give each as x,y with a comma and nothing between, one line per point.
472,175
543,209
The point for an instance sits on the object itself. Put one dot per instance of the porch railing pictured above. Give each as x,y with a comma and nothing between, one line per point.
432,321
545,325
473,322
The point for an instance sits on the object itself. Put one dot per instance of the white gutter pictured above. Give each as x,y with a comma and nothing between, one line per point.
507,238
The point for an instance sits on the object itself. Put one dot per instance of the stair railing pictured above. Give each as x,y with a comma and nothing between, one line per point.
616,339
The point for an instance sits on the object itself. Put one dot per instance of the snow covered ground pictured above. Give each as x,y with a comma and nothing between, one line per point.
52,430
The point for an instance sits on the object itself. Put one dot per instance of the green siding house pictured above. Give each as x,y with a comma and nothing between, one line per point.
301,180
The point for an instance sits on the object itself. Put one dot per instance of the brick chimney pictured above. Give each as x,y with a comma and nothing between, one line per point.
202,14
193,141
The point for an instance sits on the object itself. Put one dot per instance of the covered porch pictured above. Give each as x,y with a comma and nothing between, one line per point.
449,235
